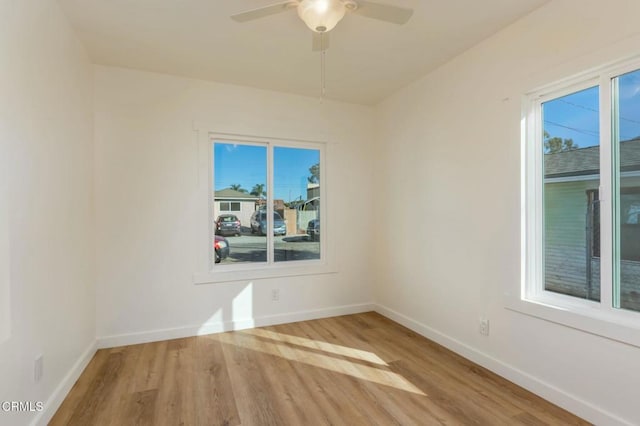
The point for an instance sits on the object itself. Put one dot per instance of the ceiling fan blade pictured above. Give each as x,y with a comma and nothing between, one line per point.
384,12
261,12
319,41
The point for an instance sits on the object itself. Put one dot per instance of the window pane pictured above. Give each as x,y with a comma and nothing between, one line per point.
240,182
571,179
627,242
296,181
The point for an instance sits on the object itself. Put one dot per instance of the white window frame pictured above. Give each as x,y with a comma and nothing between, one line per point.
531,298
209,272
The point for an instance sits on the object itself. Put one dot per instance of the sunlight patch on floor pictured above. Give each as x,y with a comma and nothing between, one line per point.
315,344
380,375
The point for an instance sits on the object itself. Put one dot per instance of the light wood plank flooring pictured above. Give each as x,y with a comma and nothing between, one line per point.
352,370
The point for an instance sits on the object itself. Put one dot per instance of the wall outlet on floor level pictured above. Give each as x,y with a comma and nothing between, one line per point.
38,368
275,294
484,326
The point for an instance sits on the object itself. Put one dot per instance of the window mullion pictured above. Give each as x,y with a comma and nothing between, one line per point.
270,190
537,209
607,190
615,188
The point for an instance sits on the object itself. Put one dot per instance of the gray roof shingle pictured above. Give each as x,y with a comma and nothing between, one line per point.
233,194
586,161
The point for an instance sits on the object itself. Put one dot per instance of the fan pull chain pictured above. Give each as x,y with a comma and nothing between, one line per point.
323,70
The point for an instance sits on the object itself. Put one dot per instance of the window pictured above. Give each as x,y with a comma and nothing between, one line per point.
626,164
226,206
275,182
582,195
570,144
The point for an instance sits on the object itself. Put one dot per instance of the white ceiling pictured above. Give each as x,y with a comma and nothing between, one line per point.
367,61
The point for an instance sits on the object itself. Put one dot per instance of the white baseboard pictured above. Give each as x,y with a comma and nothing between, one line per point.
565,400
60,393
219,327
545,390
62,390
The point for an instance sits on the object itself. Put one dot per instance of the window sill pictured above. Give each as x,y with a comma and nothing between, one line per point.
618,325
220,275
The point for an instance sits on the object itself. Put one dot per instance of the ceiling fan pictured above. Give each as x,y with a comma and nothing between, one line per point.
321,16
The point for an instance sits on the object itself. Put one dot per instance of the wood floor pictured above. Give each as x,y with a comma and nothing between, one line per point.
353,370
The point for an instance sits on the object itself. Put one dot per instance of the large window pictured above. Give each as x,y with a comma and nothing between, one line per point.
582,194
277,216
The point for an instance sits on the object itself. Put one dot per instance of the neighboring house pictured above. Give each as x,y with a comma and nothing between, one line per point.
310,204
278,205
572,237
230,201
309,209
313,190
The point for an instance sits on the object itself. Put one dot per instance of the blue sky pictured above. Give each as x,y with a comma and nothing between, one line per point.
575,116
247,165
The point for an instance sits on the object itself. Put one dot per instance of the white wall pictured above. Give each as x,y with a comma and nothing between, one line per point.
448,145
147,202
5,302
451,142
46,134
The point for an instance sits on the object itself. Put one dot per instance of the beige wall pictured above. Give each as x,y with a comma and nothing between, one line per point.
453,137
147,199
46,136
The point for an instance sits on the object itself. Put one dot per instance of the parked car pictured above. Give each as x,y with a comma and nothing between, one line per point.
259,223
221,247
313,229
227,224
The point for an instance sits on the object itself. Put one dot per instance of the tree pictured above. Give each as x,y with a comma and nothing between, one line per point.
555,144
315,173
258,190
237,187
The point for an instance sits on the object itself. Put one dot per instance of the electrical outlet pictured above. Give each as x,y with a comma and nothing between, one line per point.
484,326
38,368
275,294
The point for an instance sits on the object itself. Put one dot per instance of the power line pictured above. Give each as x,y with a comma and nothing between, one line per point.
595,110
578,106
583,131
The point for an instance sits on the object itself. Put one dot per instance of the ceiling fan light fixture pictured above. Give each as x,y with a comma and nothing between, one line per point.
321,15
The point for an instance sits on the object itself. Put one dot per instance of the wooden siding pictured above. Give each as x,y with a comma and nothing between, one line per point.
565,245
565,237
